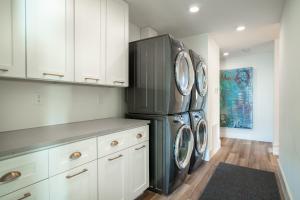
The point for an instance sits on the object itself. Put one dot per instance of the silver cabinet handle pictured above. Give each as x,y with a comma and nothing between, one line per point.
139,135
140,147
119,156
71,176
4,70
52,74
10,176
26,195
89,78
75,155
121,82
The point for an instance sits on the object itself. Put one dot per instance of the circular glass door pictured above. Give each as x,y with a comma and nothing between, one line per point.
201,79
184,73
184,145
201,136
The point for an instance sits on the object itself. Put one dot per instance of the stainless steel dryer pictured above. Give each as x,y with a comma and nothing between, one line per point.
199,91
171,147
161,76
199,128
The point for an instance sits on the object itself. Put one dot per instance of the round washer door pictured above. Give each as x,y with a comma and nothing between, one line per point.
184,145
201,79
201,136
184,73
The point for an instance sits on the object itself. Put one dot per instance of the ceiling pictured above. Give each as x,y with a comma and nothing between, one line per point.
219,17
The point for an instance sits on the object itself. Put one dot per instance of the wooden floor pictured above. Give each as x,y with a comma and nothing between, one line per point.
246,153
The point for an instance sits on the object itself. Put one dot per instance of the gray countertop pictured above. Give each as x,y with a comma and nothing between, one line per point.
15,143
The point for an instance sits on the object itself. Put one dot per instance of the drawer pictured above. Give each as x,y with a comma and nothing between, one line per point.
112,143
118,141
19,172
72,155
38,191
139,135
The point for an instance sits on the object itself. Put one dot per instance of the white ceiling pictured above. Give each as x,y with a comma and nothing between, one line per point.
219,17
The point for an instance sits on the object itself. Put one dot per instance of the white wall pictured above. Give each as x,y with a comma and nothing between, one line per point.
261,58
275,145
134,32
289,126
60,103
205,46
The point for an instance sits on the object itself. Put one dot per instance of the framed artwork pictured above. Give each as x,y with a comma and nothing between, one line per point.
236,98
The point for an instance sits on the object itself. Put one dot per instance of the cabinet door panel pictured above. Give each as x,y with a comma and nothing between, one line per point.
12,38
113,180
138,169
38,191
77,184
50,39
117,43
90,41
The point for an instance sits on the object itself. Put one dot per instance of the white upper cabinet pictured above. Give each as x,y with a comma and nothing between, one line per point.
117,43
50,39
90,41
12,38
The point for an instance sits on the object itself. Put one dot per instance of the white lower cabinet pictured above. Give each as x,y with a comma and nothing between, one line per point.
77,184
74,172
113,176
138,169
124,175
38,191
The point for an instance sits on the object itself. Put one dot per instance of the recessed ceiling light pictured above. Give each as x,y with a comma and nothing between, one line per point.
194,9
226,54
240,28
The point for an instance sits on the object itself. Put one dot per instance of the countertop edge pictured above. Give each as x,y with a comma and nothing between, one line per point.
5,155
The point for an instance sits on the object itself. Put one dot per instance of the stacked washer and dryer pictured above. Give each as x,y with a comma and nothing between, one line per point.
162,89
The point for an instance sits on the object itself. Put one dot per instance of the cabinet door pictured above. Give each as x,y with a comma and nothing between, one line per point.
138,169
90,41
50,39
113,180
38,191
117,43
12,38
77,184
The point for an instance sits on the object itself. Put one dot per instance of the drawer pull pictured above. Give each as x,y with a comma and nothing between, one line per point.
120,82
139,136
10,176
114,143
26,195
4,70
71,176
119,156
93,79
140,147
75,155
52,74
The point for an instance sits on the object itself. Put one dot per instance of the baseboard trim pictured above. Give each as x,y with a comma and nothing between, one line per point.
275,150
286,189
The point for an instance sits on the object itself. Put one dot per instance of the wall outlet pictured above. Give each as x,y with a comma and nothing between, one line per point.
38,99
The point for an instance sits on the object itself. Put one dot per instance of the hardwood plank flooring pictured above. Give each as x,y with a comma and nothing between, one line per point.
245,153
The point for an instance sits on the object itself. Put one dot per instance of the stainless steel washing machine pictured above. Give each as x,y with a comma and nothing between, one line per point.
161,76
199,91
199,128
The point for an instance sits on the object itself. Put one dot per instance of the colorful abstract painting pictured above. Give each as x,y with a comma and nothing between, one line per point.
236,98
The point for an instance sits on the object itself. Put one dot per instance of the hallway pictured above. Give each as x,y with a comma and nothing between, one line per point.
245,153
